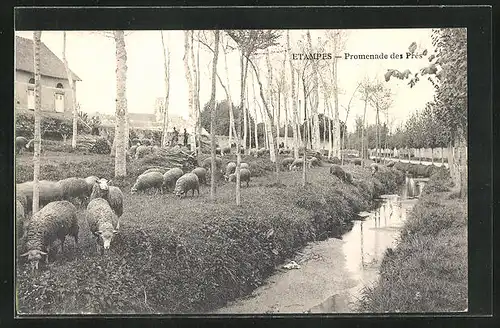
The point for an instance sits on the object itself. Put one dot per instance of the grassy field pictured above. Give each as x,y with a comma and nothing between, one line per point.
427,271
191,255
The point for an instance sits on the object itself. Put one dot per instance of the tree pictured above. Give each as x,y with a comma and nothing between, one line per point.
212,116
196,89
73,94
166,66
295,115
37,35
346,117
121,105
187,71
315,96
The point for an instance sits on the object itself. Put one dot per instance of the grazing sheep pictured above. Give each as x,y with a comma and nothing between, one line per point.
244,176
153,170
74,188
357,161
296,164
187,182
225,151
54,221
201,173
230,168
131,151
374,168
103,222
263,151
49,191
207,163
170,178
337,171
313,162
147,181
244,166
91,181
21,143
142,151
115,200
286,162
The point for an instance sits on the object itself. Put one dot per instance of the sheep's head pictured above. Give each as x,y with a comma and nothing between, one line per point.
106,236
34,257
103,184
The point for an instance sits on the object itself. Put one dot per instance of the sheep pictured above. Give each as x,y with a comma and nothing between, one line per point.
337,171
185,183
244,176
297,163
147,181
131,151
103,223
263,151
244,166
156,169
201,173
74,188
49,191
91,181
207,163
374,168
142,151
313,162
230,168
100,189
21,143
55,221
170,178
225,150
115,200
286,162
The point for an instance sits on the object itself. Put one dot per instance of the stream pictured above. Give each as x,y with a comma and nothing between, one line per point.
333,272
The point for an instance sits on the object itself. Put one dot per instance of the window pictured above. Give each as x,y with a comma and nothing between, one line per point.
60,86
32,80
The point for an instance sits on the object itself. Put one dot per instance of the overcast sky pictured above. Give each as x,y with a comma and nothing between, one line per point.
91,56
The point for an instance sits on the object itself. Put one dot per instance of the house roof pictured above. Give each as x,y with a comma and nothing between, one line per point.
50,64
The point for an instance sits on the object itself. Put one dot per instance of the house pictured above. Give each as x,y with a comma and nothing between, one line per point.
56,95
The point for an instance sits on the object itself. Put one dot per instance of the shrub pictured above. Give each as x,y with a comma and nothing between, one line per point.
101,146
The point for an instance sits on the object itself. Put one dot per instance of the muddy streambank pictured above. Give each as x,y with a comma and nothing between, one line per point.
333,272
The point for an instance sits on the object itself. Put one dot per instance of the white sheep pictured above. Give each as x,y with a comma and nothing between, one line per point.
49,191
170,178
103,222
55,221
147,181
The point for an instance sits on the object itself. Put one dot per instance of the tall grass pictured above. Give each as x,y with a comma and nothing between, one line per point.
427,271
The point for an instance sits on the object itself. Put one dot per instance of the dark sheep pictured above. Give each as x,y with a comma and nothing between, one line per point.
244,176
74,188
201,173
55,221
170,178
337,171
187,182
115,200
21,143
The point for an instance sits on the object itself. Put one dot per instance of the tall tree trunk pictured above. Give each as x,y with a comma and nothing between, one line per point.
315,138
197,138
166,67
255,114
37,35
278,110
336,122
121,104
187,71
245,127
212,114
272,133
243,71
232,129
285,99
363,132
196,88
73,94
294,102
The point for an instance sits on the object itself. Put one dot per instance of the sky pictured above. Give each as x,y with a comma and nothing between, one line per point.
91,55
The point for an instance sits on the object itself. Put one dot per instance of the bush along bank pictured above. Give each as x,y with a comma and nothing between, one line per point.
419,170
195,257
427,271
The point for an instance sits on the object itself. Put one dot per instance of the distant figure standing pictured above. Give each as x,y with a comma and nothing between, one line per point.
96,123
185,138
175,137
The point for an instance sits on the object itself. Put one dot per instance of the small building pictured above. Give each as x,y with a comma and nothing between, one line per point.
56,95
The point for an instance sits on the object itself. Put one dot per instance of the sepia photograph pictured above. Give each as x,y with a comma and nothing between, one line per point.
231,171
